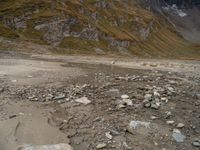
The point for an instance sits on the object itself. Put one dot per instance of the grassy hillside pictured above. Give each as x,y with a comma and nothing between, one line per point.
112,26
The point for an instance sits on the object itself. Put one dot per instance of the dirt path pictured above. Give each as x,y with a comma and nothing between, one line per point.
99,103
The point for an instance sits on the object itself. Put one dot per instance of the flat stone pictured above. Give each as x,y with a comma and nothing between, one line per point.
137,124
178,136
180,125
153,117
124,96
83,100
196,143
60,96
170,122
46,147
101,145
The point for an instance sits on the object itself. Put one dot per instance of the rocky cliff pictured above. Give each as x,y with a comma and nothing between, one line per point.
97,26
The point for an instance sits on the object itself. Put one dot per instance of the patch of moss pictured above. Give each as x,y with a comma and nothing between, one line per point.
7,32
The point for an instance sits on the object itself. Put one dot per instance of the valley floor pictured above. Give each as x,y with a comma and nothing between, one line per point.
99,103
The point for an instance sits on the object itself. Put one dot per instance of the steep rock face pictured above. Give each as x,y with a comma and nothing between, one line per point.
182,14
88,25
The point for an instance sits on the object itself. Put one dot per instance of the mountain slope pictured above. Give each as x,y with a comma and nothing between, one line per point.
94,26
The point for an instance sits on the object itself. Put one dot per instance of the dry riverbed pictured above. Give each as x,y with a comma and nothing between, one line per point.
98,103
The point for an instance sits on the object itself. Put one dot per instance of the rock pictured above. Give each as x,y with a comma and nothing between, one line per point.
46,147
121,106
147,105
60,96
168,114
109,136
156,94
101,145
164,99
180,125
49,97
155,106
138,124
153,117
148,97
128,102
170,89
178,136
124,96
170,122
83,100
196,143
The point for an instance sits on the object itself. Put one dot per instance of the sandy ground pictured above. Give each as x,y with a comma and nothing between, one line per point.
38,104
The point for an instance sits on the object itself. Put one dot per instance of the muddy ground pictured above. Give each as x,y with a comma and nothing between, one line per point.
99,103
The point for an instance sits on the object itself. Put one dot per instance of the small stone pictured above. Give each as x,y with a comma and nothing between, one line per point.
83,100
147,105
170,122
196,143
180,125
153,117
124,96
121,106
168,114
148,97
60,96
109,136
178,136
170,89
49,97
137,124
155,106
128,102
164,99
101,145
156,94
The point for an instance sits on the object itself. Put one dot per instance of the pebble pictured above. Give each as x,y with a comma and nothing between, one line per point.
128,102
147,105
109,136
168,114
170,122
83,100
156,94
124,96
60,96
155,106
148,97
121,106
101,145
180,125
153,117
